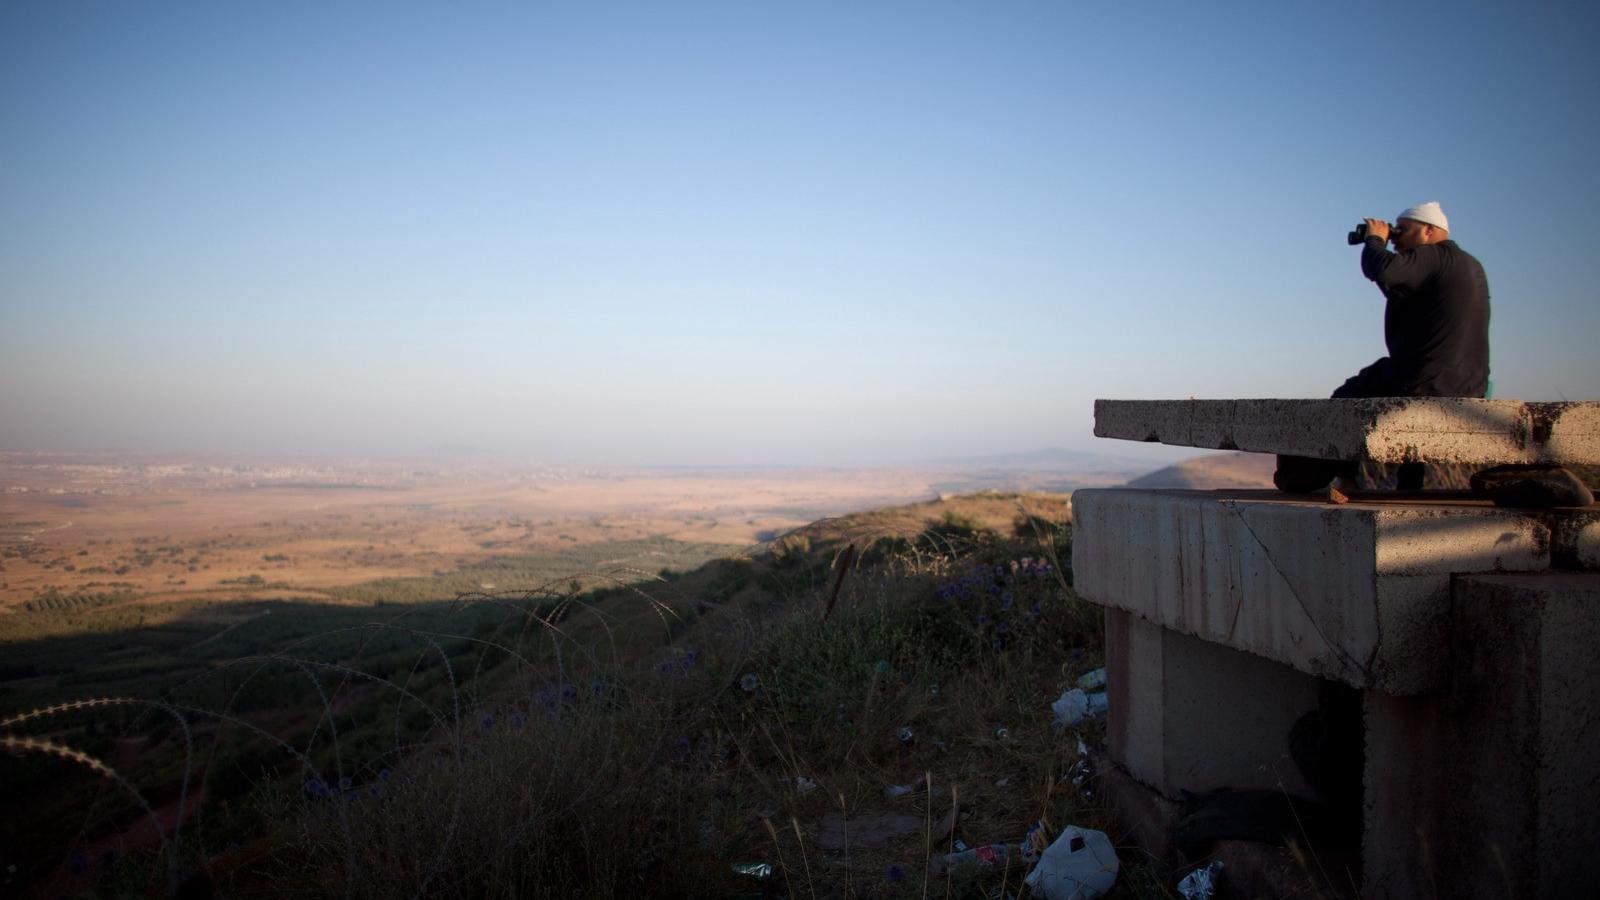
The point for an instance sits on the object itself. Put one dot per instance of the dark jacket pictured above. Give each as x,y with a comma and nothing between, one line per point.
1436,322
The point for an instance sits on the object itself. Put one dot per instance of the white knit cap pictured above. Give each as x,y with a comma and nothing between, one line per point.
1428,214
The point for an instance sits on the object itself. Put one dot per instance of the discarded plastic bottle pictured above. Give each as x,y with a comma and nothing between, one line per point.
987,855
1074,706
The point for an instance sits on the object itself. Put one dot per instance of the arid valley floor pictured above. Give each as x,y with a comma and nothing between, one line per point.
166,529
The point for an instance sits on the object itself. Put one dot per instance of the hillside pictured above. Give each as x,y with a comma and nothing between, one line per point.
639,737
828,714
1215,471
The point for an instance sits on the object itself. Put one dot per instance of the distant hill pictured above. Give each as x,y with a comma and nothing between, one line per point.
1212,472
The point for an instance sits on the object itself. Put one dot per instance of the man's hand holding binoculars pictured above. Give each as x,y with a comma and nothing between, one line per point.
1377,228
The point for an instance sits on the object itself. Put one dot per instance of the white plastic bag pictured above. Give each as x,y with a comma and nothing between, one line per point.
1080,865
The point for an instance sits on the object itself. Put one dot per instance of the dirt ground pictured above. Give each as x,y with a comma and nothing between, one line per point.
166,530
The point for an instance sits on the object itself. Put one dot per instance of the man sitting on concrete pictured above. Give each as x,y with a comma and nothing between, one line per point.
1435,324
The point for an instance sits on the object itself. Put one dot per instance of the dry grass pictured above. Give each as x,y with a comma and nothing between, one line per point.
632,742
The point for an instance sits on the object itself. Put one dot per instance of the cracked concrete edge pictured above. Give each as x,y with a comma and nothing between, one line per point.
1412,653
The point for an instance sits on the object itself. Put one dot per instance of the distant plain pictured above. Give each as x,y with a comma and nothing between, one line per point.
156,530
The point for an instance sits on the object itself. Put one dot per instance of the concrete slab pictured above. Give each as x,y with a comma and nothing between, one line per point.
1357,592
1387,430
1490,788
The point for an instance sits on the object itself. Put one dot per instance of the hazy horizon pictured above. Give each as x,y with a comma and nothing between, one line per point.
741,235
1108,455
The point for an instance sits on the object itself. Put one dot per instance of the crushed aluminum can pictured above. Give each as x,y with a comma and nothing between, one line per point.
1081,772
1201,884
905,734
759,871
1034,842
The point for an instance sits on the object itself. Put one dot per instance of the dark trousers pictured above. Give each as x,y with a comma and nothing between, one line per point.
1302,475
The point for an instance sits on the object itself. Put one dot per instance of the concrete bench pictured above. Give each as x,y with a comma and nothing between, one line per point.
1386,430
1358,592
1472,633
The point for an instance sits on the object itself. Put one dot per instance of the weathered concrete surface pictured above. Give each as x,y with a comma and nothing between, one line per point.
1172,695
1492,788
1576,538
1387,430
1357,593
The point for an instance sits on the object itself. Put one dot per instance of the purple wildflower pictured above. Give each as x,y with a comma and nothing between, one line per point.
344,783
983,619
487,722
568,691
1006,600
749,682
384,774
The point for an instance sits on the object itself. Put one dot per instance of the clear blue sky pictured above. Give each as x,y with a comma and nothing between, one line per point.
755,232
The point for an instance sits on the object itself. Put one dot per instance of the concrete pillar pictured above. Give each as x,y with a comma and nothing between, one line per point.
1492,788
1188,714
